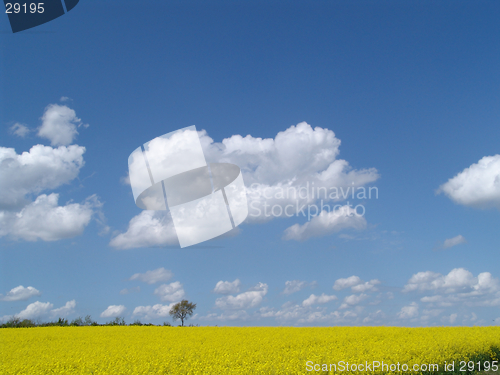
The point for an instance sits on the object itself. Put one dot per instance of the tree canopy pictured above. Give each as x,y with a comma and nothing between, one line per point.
182,310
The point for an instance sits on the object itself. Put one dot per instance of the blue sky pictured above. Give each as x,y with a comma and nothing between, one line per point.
410,91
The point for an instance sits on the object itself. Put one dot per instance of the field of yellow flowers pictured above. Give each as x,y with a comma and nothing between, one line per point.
245,350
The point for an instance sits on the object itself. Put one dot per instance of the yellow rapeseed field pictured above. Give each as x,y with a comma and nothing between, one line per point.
246,350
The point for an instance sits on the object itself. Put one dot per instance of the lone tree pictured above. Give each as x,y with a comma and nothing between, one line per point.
182,310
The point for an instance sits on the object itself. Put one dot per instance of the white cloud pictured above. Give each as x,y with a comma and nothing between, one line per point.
226,316
153,312
375,317
353,300
245,300
485,281
356,284
421,281
19,129
326,223
227,287
295,159
39,169
125,180
450,242
409,311
152,277
296,285
451,319
20,293
44,309
368,286
476,186
35,310
350,314
266,312
45,220
347,282
64,99
430,313
149,228
432,299
314,299
5,318
314,317
457,279
287,312
136,289
67,309
298,155
289,170
59,124
458,287
113,311
307,314
172,292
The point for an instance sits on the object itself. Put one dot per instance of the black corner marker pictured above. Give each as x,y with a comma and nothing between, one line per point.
25,14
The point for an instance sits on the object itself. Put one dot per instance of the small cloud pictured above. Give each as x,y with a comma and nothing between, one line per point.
136,289
30,172
59,124
153,312
65,99
325,224
20,293
19,130
313,299
450,242
172,292
227,287
45,220
476,186
35,310
149,228
152,277
365,287
113,311
347,282
226,316
410,311
353,300
125,180
346,236
356,284
459,279
453,318
104,230
297,285
249,299
376,316
65,310
44,309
